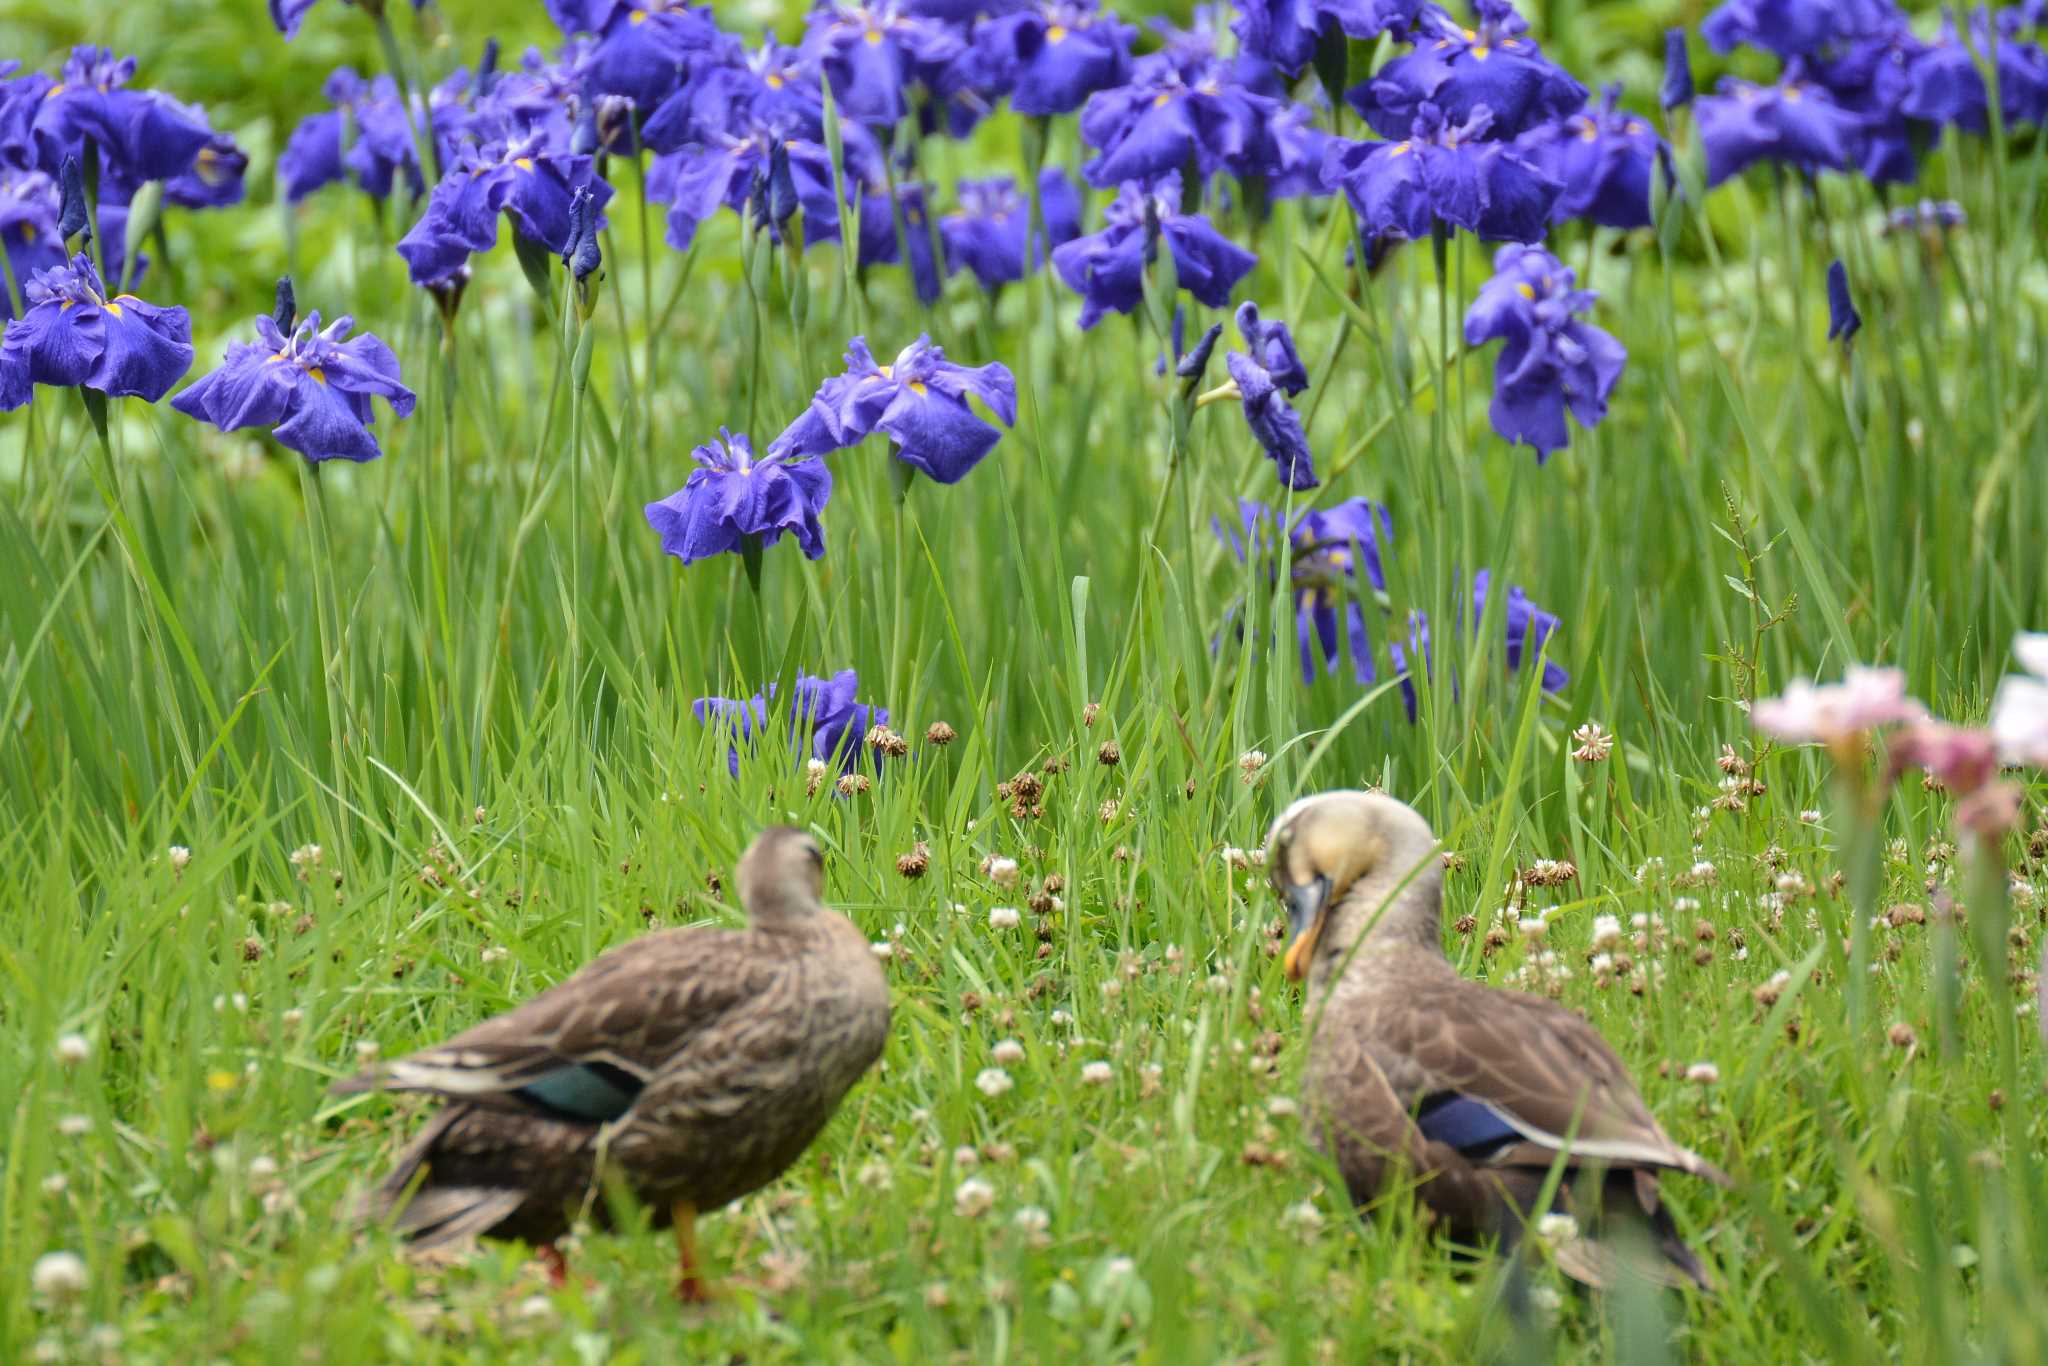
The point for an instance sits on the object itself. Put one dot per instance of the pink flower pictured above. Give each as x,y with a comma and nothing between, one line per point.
2019,711
1960,760
1865,699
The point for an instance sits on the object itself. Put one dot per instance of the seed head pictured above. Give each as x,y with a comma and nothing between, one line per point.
1109,756
1090,712
941,734
1249,763
1703,1074
1595,742
913,864
853,784
1901,1035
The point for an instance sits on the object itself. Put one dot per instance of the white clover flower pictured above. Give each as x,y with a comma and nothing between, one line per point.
1810,816
1061,1018
179,856
1121,1268
1601,962
1097,1074
306,856
993,1082
1001,871
875,1176
1303,1216
262,1167
1031,1219
73,1049
1282,1107
973,1198
1532,927
1004,918
1545,1300
59,1275
1703,1074
1704,871
55,1184
966,1158
882,949
74,1126
1006,1052
1554,1229
368,1049
1606,931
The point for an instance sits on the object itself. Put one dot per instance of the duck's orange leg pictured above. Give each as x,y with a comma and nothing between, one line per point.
557,1265
691,1287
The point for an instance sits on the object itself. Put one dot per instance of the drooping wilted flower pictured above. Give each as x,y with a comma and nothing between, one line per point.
734,496
1843,319
311,385
1493,66
825,721
74,334
1795,121
1603,158
1551,360
1107,268
989,233
919,401
1267,374
532,184
1453,174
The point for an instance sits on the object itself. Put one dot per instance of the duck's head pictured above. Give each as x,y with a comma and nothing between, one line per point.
782,875
1324,846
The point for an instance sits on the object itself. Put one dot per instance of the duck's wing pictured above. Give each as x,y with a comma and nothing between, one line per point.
1505,1077
585,1048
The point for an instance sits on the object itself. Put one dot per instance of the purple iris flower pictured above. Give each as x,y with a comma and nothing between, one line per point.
646,50
1287,32
1551,360
1603,158
1443,173
1327,548
734,495
1930,218
316,154
727,170
826,721
312,387
29,205
870,53
1059,52
1795,28
1527,628
1196,52
1460,70
880,244
1267,373
1107,268
1677,91
1299,146
1169,117
1871,78
988,234
1843,320
533,185
919,401
74,334
142,134
1794,121
1944,86
289,14
772,88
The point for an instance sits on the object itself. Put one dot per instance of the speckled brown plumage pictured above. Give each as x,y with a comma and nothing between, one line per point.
1473,1090
696,1064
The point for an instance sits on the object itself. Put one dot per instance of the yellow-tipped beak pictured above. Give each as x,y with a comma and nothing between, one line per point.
1305,903
1300,951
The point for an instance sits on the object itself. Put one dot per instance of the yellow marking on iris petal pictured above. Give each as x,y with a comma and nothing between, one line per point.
1400,148
65,304
1054,33
1791,93
638,16
274,359
884,371
874,37
1587,132
113,308
1479,53
28,232
319,375
772,81
1511,42
917,387
523,163
1471,36
1525,291
54,91
1161,98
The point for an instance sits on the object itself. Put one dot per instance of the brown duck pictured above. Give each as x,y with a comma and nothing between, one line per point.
694,1064
1470,1090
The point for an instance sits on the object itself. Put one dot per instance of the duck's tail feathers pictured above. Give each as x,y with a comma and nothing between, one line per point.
428,1215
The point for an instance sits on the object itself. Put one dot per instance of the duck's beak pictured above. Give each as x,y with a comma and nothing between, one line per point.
1304,922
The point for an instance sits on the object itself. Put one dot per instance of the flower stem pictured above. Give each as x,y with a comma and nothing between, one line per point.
425,150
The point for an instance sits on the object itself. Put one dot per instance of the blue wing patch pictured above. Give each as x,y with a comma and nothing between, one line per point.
1468,1126
594,1091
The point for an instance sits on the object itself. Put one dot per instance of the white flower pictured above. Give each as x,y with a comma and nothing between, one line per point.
1031,1219
262,1167
993,1081
1121,1268
1704,871
55,1184
1601,962
305,856
1554,1229
59,1275
1703,1073
1250,762
965,1158
1001,871
1282,1107
1810,816
368,1049
1532,927
1606,931
1006,1052
179,856
1235,857
535,1307
1061,1018
1546,1300
1302,1215
1097,1073
73,1049
882,949
1004,918
496,953
973,1197
74,1126
875,1176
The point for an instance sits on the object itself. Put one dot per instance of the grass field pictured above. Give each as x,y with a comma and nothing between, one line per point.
299,766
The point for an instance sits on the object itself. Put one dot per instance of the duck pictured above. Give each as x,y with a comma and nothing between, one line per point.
1472,1093
691,1065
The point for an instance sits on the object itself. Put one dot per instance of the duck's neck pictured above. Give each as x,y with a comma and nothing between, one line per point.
1400,902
